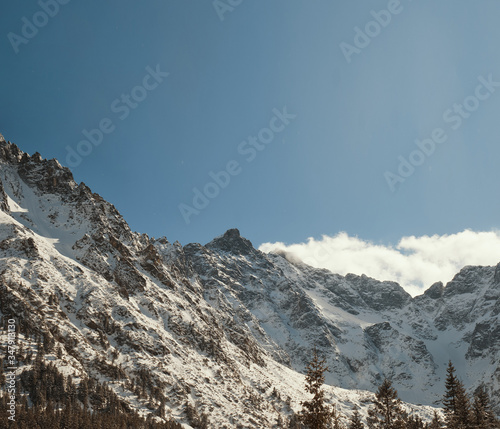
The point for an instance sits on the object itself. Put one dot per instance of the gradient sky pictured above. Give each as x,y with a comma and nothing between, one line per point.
321,173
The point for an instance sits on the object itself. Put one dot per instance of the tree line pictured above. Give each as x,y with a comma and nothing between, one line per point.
386,412
46,399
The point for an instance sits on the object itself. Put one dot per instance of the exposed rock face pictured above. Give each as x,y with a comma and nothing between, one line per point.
220,325
232,242
484,338
497,274
387,295
4,203
435,291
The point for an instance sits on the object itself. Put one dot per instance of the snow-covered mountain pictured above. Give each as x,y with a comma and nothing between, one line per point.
223,327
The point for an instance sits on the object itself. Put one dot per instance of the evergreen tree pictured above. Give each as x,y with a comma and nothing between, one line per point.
436,422
414,422
450,395
336,419
386,412
482,416
316,414
355,421
463,418
456,402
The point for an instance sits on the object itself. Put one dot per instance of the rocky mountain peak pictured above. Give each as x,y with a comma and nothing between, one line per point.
46,175
9,152
435,291
466,281
232,242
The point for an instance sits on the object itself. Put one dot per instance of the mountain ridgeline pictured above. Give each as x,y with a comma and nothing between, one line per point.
219,335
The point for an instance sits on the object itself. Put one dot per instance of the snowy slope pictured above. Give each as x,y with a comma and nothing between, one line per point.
367,329
223,326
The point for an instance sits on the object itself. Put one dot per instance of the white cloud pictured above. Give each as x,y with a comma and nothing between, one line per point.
415,262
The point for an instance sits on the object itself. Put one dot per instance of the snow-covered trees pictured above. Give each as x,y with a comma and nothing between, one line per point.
355,421
386,411
436,422
455,401
459,412
482,415
316,413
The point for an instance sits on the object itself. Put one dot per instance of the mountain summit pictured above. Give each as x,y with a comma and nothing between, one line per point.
232,242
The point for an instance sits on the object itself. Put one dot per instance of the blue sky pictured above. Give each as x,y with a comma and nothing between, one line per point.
321,171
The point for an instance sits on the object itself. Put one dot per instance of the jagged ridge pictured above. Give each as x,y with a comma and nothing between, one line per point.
225,309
